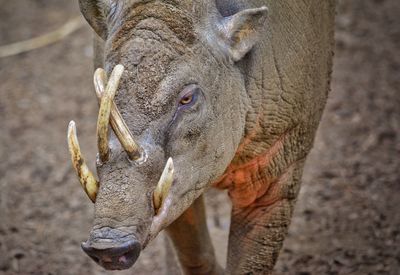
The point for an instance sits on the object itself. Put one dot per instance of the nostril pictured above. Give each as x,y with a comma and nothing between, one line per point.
123,259
130,255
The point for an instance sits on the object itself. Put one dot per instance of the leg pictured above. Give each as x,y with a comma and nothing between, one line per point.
258,230
189,234
171,262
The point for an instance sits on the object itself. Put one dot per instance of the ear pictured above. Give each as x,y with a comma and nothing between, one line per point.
240,31
93,11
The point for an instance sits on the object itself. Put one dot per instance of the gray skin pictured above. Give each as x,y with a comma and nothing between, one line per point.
259,81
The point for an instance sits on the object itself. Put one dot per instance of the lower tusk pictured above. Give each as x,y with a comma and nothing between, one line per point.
164,184
121,130
105,110
86,178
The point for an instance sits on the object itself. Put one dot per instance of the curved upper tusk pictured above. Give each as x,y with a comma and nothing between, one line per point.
100,80
121,130
86,178
104,112
164,184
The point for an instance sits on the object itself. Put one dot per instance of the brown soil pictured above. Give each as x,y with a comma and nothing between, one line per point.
346,221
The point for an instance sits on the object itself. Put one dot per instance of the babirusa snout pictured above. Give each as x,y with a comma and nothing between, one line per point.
121,130
164,184
86,178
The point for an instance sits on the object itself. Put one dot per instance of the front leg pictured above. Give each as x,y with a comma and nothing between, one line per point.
189,234
258,230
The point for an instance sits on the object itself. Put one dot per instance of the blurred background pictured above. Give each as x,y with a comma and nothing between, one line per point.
347,218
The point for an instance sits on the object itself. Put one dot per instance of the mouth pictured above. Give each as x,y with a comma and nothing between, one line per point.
112,249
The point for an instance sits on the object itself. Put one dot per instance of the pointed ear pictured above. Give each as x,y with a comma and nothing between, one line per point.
93,11
240,31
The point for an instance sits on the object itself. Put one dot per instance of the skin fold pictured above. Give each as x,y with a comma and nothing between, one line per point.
258,81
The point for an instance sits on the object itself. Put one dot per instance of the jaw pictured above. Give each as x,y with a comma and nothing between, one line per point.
115,244
117,249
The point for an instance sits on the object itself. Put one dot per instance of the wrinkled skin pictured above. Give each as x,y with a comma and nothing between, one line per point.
258,82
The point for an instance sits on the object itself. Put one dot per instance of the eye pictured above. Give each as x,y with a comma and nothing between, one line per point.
186,99
189,97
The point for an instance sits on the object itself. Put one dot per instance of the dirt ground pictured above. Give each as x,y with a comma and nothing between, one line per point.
347,218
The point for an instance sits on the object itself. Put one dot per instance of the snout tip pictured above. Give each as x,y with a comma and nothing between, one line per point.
113,256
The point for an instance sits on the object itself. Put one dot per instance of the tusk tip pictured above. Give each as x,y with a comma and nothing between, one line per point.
71,127
118,70
99,71
120,67
99,80
100,74
170,164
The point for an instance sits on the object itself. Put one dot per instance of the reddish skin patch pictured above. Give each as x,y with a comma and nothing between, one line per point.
268,196
246,183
